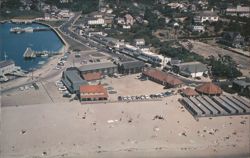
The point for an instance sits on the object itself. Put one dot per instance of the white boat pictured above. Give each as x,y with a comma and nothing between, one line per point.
28,29
45,55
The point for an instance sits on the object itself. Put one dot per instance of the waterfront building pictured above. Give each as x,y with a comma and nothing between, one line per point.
105,68
93,93
72,80
6,66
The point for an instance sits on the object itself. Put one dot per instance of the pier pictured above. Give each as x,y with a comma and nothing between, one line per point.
28,29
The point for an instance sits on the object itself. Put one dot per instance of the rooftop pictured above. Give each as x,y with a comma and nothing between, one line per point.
192,67
92,76
93,91
95,66
6,63
209,88
162,76
74,76
132,64
208,13
189,92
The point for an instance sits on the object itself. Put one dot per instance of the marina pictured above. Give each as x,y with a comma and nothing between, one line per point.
40,47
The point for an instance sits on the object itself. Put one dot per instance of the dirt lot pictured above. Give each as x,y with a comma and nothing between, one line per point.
130,86
208,50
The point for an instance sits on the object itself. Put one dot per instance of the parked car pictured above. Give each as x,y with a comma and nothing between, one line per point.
62,88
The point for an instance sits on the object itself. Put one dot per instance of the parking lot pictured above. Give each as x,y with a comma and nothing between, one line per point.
130,85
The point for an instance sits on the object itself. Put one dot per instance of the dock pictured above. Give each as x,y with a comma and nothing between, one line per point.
28,29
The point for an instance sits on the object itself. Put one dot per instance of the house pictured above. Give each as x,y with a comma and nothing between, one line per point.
47,16
126,26
198,28
139,42
129,20
191,69
93,93
241,85
203,16
66,1
232,39
162,78
65,13
238,11
73,80
120,21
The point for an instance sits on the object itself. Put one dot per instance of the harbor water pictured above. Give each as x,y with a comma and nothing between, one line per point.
13,45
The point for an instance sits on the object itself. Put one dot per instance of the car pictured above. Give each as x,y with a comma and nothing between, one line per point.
119,98
62,88
60,85
112,92
110,88
21,88
133,97
57,67
26,87
167,94
67,95
147,97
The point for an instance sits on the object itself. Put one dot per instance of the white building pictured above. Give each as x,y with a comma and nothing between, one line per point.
191,69
198,28
96,21
65,13
238,11
156,59
139,42
210,16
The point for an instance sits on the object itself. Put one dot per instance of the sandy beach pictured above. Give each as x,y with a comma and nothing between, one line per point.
120,130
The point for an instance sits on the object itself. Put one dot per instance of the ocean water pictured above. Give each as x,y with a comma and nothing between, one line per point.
13,45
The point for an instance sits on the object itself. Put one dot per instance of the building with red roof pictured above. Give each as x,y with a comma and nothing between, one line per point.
162,78
93,93
209,89
188,92
92,76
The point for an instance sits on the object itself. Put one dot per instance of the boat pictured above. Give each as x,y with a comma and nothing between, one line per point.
28,29
45,55
16,30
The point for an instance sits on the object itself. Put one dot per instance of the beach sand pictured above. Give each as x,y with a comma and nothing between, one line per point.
120,130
